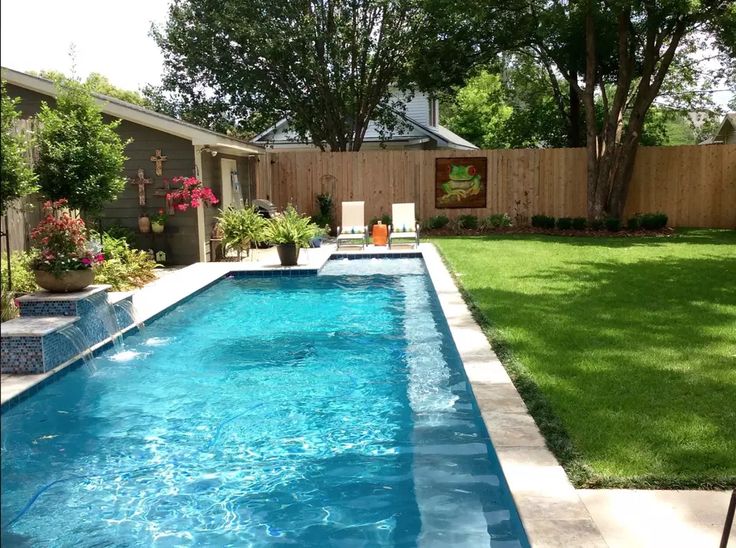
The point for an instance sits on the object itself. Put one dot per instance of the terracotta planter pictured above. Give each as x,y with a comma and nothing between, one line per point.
158,228
71,280
288,253
144,224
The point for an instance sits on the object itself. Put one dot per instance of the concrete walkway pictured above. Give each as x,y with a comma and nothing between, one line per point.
630,518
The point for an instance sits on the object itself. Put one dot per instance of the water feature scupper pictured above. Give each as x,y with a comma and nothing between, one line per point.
53,328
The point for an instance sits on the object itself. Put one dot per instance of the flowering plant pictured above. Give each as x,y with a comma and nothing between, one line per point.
160,217
60,241
191,194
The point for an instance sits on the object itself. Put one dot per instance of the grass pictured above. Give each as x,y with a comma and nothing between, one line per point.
624,349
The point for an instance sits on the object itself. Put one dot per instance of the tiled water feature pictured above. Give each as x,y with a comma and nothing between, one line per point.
55,327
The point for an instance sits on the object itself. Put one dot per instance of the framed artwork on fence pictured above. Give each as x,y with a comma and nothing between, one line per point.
460,182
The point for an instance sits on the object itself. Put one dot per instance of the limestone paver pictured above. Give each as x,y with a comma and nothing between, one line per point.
630,518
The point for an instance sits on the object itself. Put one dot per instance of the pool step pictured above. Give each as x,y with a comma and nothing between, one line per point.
34,344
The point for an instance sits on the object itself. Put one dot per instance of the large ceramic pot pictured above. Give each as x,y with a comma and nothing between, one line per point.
288,253
71,280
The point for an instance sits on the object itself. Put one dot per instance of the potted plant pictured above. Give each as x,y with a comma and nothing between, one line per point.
158,220
319,234
241,228
290,231
63,260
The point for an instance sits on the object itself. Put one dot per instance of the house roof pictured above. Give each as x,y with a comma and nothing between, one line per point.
720,136
442,135
139,115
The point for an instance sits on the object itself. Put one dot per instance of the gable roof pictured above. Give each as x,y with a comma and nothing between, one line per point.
720,136
138,114
444,137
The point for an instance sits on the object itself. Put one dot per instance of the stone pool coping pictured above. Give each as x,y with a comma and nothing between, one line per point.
551,511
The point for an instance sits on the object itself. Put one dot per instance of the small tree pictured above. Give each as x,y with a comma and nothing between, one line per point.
17,176
80,157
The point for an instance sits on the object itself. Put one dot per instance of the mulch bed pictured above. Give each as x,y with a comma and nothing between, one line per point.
623,233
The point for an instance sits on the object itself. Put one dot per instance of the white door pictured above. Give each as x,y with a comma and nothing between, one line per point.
232,196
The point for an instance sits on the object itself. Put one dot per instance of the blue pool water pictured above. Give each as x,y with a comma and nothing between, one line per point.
326,410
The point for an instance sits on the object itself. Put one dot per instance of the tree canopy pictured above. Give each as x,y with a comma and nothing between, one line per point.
16,174
327,65
81,157
98,83
615,57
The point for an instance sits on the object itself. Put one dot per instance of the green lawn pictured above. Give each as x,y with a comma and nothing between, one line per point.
624,349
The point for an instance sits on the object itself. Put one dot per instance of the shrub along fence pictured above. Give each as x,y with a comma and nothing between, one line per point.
694,185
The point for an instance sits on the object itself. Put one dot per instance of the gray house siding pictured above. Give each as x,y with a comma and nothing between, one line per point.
179,239
212,177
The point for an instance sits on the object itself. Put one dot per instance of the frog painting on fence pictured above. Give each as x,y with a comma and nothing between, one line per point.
460,182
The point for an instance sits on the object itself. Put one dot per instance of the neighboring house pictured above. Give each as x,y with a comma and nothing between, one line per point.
423,132
225,164
726,133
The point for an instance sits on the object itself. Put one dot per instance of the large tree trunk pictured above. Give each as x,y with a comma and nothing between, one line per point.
574,134
611,151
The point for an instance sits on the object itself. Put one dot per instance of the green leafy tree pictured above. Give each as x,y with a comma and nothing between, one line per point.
80,156
479,112
508,105
17,176
98,83
616,57
327,65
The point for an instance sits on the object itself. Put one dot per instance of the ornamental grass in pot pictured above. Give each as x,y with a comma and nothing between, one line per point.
63,259
290,231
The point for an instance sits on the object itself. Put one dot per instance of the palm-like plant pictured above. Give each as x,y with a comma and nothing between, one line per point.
290,227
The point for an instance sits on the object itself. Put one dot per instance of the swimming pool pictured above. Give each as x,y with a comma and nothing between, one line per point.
320,410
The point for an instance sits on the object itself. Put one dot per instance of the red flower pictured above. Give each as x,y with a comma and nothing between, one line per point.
191,194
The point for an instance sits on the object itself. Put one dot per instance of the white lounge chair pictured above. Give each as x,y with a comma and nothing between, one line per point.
353,227
404,224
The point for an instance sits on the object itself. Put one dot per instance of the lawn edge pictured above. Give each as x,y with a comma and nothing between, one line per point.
556,437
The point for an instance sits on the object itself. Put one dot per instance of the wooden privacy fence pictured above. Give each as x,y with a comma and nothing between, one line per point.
694,185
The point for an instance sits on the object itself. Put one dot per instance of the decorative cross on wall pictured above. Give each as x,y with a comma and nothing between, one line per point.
141,181
164,191
159,161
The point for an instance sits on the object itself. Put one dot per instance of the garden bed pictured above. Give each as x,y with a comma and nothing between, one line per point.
640,233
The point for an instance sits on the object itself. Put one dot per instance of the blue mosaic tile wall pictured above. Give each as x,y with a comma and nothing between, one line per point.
378,255
21,355
98,320
48,308
122,316
56,350
271,273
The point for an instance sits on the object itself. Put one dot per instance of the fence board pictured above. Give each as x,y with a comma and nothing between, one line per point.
694,185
